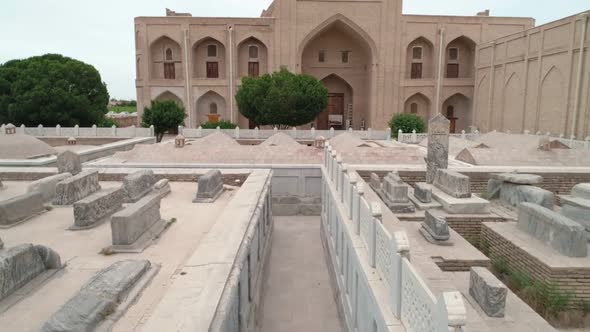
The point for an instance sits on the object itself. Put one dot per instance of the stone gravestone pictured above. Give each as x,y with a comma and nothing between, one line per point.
394,193
69,162
375,181
435,228
138,184
423,192
559,232
453,183
489,292
210,187
438,146
577,206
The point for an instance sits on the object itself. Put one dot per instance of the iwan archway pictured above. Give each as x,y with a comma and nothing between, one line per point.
341,54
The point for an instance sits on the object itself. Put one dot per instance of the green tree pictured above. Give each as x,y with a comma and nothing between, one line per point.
51,90
407,123
282,99
163,115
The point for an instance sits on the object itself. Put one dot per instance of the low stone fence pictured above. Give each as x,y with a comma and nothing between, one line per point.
298,134
375,280
222,287
77,131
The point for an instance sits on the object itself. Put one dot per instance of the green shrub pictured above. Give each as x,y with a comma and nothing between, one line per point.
500,265
106,123
551,299
407,123
223,124
520,280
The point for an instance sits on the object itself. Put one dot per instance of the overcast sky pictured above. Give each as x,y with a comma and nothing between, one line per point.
101,32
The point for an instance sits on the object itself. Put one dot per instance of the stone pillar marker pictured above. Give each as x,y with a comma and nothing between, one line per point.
438,146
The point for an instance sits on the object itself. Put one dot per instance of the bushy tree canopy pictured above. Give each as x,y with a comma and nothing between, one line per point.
407,123
222,124
281,99
163,115
51,90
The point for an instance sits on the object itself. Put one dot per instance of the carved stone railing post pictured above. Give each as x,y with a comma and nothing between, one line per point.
353,183
372,245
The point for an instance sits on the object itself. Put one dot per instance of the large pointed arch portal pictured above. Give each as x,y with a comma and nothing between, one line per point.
341,53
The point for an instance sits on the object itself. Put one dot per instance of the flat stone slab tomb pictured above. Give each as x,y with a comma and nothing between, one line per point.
20,208
96,208
460,201
22,268
421,197
138,184
435,228
76,187
104,298
134,228
210,187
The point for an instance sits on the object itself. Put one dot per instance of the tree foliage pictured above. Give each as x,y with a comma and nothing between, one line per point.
281,99
407,123
51,90
164,115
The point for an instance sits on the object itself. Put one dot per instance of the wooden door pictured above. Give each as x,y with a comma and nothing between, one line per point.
212,70
169,71
253,69
335,107
416,70
452,70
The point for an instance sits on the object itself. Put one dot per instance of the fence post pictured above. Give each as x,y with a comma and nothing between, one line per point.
312,133
237,133
376,217
152,130
331,132
275,130
399,136
334,164
40,130
218,129
294,132
388,134
338,172
58,130
370,133
414,137
360,188
451,307
94,130
353,181
76,130
199,132
114,131
572,139
256,133
3,129
342,179
463,135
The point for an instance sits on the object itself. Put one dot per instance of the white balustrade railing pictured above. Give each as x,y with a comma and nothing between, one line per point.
571,142
300,134
346,213
76,131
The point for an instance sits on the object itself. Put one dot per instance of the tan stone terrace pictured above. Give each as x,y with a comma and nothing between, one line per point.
80,251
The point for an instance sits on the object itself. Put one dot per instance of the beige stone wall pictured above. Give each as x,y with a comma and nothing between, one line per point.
290,33
532,80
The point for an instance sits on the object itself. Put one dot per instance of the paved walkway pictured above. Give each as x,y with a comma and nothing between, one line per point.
297,295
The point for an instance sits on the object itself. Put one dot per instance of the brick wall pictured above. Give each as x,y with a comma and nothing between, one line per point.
576,280
469,226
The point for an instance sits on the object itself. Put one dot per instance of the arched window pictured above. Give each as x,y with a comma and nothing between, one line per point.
213,108
417,53
253,52
414,108
212,51
168,54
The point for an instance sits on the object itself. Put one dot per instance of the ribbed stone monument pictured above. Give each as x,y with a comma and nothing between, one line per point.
69,162
210,187
76,187
438,146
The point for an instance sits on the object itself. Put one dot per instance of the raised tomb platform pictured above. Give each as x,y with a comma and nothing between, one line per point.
210,187
76,188
577,206
452,191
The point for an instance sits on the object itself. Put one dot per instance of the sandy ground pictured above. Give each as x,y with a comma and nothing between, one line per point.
297,295
80,250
